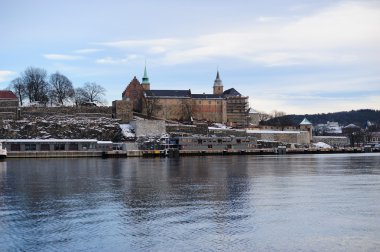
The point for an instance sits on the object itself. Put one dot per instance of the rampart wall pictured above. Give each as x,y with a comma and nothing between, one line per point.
197,129
335,141
82,111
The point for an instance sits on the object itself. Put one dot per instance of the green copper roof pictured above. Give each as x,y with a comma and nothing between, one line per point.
145,78
305,122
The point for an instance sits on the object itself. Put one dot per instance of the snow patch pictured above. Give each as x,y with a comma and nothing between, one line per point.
127,130
322,145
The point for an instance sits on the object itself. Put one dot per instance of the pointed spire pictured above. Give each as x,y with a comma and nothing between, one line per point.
218,81
145,78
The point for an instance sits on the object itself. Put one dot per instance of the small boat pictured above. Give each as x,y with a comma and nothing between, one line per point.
3,151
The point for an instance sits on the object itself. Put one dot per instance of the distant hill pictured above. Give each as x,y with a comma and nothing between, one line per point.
357,117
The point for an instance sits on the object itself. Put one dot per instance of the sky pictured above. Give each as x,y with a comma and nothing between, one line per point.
299,57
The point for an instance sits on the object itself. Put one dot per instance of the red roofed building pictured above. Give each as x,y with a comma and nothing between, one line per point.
8,105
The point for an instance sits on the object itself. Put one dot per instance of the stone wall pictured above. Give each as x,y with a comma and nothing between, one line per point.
8,109
227,132
297,137
214,110
82,111
197,129
172,108
122,109
334,141
148,127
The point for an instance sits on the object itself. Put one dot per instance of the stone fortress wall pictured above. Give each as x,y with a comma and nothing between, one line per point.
84,111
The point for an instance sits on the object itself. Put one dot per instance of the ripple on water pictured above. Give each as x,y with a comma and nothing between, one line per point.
247,203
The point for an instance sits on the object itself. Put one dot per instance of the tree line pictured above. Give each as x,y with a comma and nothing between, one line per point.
36,86
357,117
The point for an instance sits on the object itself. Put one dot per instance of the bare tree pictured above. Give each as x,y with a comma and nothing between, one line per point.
276,113
263,116
37,87
17,85
187,110
61,88
90,92
152,104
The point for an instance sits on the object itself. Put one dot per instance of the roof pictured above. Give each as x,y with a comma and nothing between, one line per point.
7,95
231,92
305,122
352,126
207,96
145,78
169,93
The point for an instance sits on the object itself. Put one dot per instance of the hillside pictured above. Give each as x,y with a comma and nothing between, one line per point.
357,117
62,127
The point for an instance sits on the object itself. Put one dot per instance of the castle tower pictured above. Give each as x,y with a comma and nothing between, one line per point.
306,125
145,80
218,85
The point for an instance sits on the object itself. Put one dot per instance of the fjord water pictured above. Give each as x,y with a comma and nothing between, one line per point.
212,203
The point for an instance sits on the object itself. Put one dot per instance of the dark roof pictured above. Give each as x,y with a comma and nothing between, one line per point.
169,93
231,92
207,96
7,95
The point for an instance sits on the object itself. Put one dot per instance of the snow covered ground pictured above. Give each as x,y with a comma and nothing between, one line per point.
127,130
322,145
62,127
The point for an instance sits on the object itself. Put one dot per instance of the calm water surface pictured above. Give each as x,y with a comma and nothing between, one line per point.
218,203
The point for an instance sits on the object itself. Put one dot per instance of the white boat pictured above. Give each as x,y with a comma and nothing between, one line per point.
3,151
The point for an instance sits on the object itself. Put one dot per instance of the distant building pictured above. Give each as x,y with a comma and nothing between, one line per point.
351,128
8,105
374,138
221,106
328,129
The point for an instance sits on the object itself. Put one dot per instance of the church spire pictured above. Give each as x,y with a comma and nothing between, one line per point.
218,81
145,80
218,85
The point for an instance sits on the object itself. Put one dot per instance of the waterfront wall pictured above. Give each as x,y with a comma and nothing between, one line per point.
227,132
196,129
335,141
297,137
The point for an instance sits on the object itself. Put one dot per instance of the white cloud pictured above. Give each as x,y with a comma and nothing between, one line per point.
112,61
87,50
62,57
5,75
151,43
267,19
342,34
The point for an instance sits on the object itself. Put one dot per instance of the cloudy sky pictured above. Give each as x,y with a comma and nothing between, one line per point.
298,56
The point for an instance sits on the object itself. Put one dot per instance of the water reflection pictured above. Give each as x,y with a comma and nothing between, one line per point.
197,203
